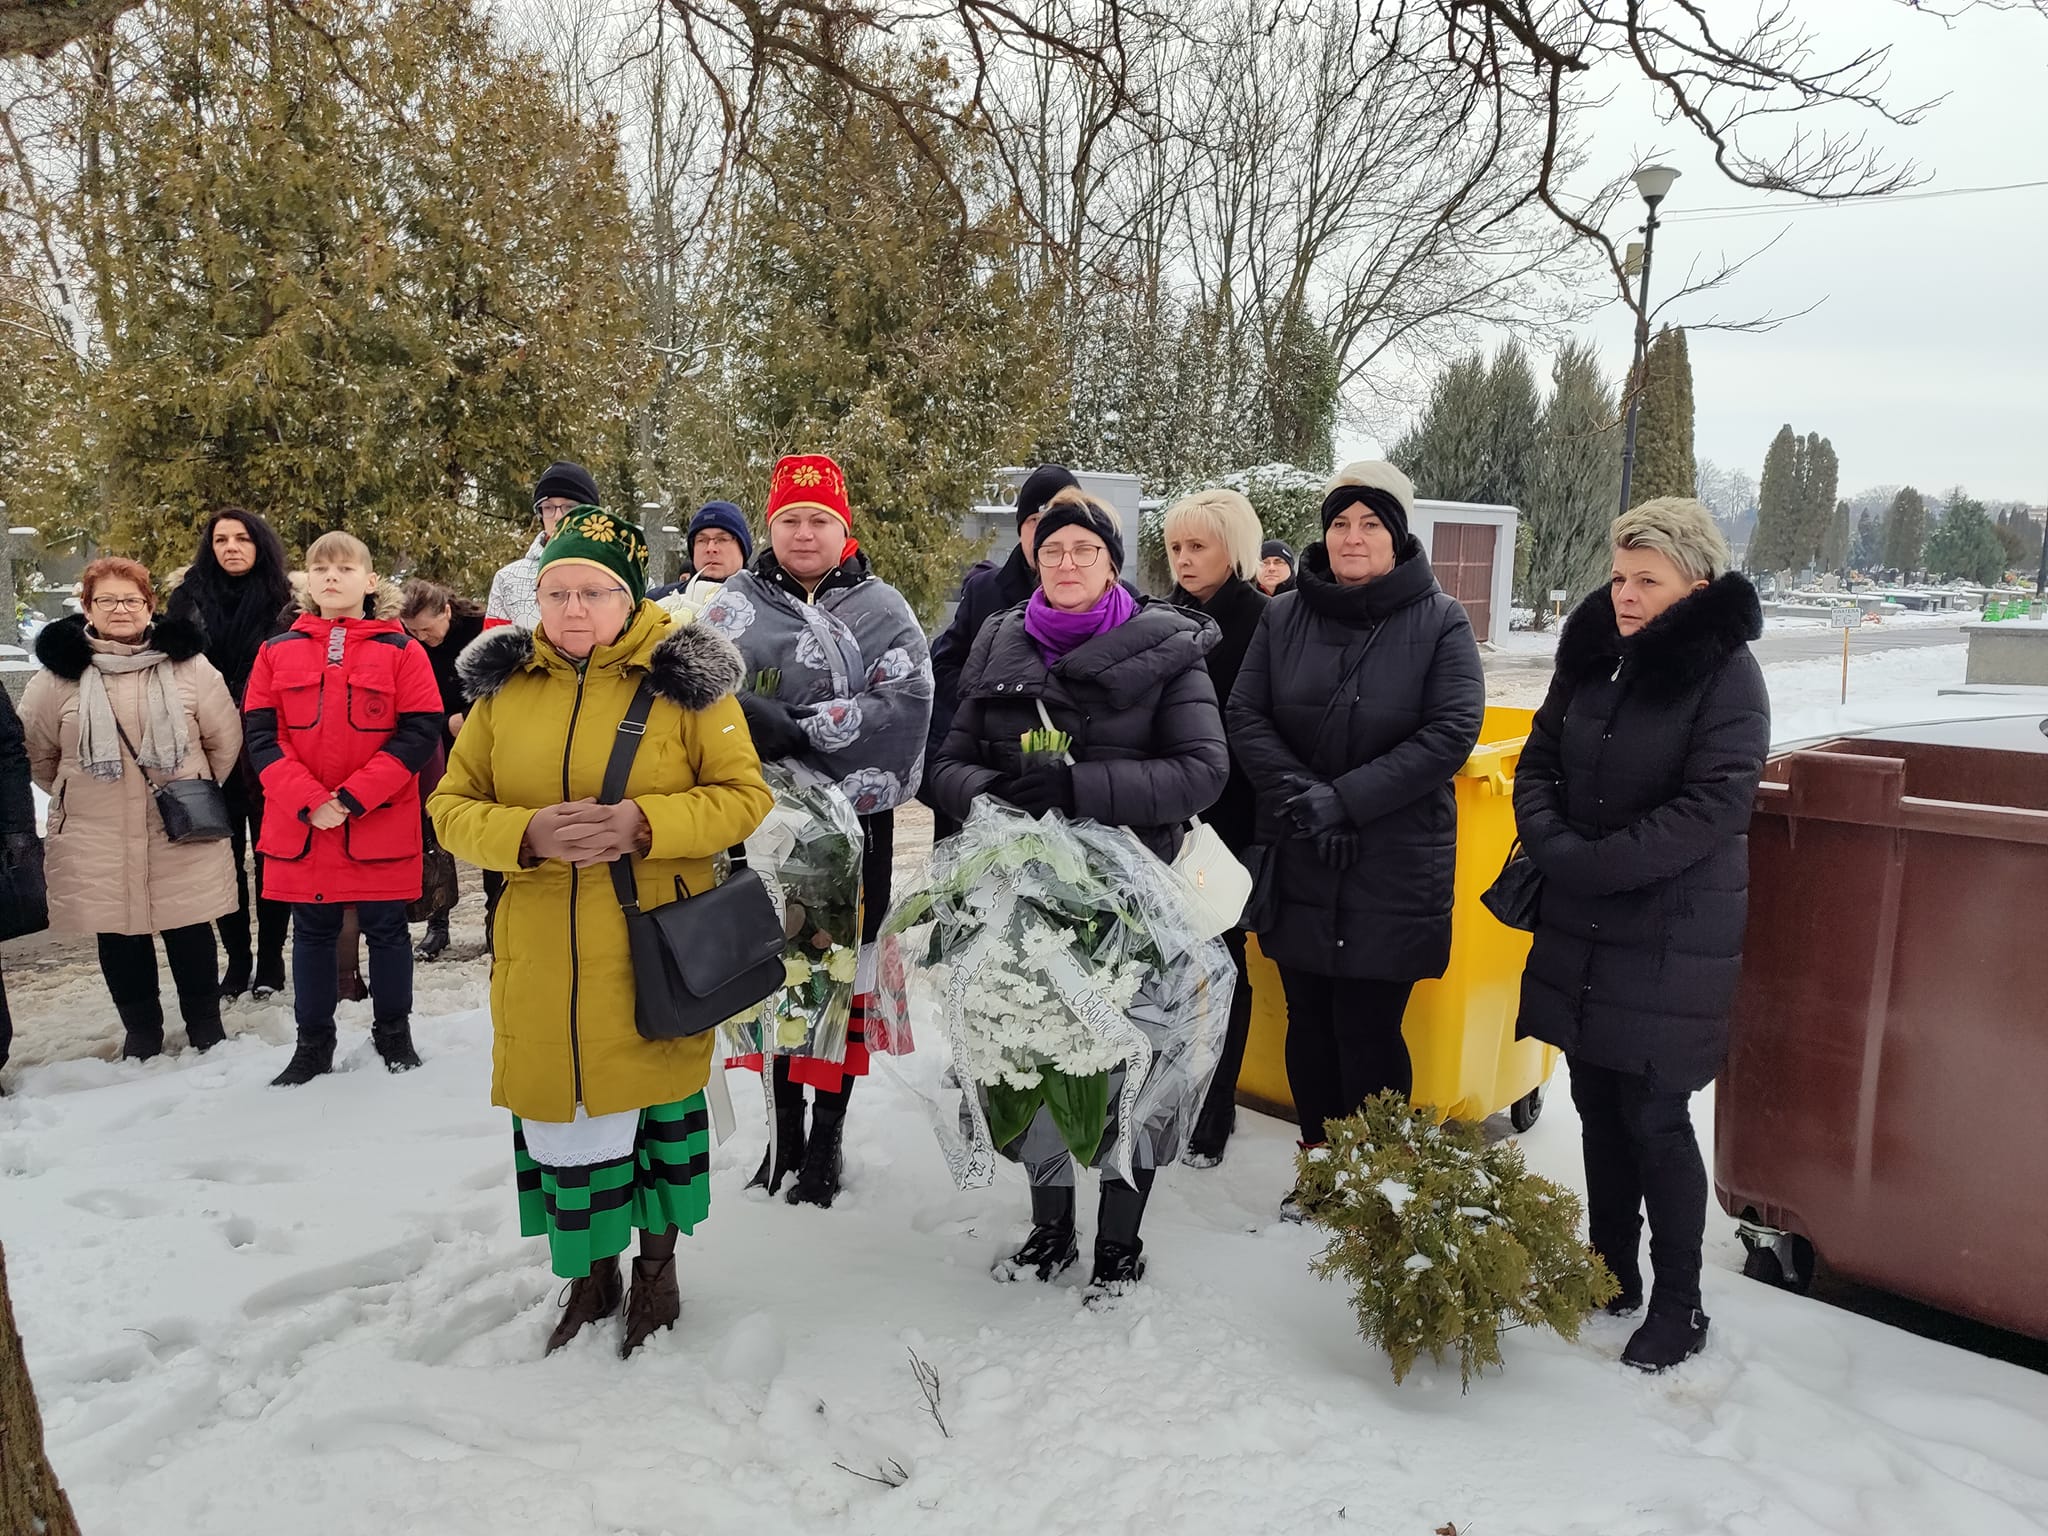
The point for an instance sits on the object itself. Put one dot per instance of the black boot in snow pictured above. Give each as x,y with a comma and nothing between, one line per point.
202,1022
817,1182
1051,1249
235,982
393,1039
789,1140
314,1058
142,1026
1669,1336
435,940
269,978
1118,1267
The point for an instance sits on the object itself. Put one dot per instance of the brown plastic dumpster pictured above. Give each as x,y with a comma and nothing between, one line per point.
1888,1067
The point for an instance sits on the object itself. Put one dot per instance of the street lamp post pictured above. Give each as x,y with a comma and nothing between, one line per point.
1653,182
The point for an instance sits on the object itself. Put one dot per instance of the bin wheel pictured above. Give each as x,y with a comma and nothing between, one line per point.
1527,1110
1768,1262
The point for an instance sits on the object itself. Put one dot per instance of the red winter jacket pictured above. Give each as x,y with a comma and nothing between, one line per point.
347,708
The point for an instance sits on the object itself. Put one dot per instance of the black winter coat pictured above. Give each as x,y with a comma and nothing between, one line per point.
987,590
1236,607
1633,797
1147,736
1376,690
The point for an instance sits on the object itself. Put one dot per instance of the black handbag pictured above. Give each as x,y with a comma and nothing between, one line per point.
192,810
440,884
1516,896
24,895
698,960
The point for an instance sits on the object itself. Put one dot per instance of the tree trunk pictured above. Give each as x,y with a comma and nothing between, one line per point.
30,1499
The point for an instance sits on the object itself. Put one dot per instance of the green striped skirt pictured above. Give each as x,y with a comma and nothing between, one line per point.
588,1213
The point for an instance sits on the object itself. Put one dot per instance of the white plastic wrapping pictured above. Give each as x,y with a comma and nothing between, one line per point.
1038,943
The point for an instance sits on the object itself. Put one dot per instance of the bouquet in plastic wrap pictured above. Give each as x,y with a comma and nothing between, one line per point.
1059,960
808,851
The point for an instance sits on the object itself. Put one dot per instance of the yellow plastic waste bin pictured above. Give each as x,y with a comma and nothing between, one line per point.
1460,1029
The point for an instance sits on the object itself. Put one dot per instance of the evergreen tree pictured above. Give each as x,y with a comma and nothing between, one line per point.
1966,544
1477,440
1866,547
1905,532
1780,505
1819,472
872,321
1664,455
377,307
1577,480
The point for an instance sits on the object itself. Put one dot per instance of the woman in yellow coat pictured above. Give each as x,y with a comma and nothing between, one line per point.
610,1131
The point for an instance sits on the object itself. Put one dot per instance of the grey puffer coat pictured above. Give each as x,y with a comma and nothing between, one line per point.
1375,690
1148,742
1633,798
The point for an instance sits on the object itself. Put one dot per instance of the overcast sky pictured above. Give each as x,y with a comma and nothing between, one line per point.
1927,361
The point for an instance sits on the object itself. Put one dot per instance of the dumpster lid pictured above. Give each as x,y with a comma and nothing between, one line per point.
2012,733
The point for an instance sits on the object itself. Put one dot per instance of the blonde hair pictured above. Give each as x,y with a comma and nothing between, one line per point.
1681,530
341,548
1223,515
1074,496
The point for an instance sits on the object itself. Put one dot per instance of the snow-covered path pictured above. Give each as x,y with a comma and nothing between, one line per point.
250,1311
253,1311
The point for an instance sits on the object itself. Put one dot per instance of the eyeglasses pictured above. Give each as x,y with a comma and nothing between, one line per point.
118,604
589,597
1080,556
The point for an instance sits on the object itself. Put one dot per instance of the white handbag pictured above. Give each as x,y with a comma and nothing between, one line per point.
1217,882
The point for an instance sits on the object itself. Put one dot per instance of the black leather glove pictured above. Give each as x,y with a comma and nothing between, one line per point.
1042,788
773,726
1339,850
1318,812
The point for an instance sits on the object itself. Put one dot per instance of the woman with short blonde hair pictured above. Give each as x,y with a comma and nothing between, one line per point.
1223,517
1633,799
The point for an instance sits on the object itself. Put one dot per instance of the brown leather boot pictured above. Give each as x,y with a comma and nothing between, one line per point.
655,1304
595,1297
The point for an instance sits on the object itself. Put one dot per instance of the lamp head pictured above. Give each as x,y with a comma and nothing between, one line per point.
1654,181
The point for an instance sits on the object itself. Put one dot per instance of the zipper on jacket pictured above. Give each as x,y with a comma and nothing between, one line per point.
575,974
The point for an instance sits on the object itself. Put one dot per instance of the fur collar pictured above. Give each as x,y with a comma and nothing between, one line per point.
383,603
66,649
1678,650
692,667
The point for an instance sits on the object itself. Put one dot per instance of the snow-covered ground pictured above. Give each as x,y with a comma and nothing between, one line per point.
250,1311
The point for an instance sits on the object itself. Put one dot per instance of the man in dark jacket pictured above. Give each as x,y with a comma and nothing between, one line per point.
1359,701
986,591
1633,798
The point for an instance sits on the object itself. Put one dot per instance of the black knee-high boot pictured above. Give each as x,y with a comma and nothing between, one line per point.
817,1183
789,1130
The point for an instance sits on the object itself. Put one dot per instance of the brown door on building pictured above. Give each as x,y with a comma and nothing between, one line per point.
1462,554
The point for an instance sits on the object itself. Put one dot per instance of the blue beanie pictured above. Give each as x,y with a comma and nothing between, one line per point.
722,515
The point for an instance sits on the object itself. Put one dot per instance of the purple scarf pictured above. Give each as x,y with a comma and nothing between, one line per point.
1058,632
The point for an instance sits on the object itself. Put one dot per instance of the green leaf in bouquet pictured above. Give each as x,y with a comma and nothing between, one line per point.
765,683
1080,1110
1010,1110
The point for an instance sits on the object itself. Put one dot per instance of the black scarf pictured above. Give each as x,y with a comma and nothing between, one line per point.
238,613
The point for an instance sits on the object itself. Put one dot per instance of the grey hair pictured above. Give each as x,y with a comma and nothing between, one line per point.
1225,516
1680,529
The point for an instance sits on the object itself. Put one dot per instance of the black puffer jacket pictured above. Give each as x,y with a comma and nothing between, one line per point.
1236,607
985,592
1633,797
1377,691
1147,736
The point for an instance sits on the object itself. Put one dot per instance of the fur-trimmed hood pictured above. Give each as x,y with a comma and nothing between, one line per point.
692,667
383,603
66,649
1676,651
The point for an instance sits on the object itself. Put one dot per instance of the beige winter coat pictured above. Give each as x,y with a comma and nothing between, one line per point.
109,866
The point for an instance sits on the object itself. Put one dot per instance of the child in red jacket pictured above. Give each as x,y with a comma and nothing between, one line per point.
341,713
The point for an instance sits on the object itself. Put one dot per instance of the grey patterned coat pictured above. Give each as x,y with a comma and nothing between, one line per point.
856,671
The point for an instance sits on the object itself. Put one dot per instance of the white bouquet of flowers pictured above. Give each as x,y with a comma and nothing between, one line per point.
1061,963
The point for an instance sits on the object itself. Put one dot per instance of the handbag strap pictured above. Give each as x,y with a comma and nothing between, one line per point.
625,748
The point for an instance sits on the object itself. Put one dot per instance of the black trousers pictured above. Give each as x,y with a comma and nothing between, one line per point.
273,918
1219,1111
1343,1045
6,1024
1642,1155
128,961
316,987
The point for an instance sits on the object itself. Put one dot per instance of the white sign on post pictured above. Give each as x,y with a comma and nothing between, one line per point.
1845,618
1558,594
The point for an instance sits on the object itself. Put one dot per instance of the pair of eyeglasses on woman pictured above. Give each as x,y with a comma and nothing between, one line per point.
588,597
1081,557
118,604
